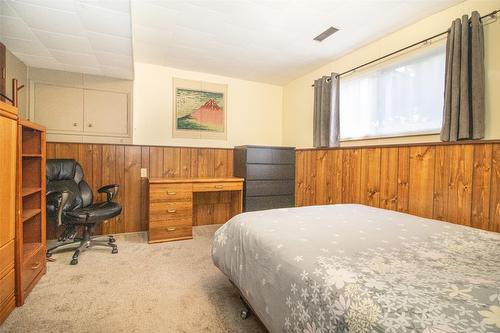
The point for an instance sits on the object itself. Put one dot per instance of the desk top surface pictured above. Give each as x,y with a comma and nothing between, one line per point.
194,180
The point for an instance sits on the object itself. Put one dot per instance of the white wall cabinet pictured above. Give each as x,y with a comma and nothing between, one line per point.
81,114
59,108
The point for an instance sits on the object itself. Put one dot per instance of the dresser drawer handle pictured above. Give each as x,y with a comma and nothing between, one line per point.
171,210
171,228
219,186
35,266
171,193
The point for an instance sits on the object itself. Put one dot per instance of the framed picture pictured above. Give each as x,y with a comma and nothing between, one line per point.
199,109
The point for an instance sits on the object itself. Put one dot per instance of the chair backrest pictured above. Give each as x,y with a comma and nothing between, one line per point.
67,175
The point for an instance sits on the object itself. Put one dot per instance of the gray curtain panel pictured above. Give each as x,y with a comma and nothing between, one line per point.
463,112
326,111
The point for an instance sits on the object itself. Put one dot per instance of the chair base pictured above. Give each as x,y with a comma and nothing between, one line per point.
84,243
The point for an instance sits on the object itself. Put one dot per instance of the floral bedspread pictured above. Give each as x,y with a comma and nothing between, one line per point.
353,268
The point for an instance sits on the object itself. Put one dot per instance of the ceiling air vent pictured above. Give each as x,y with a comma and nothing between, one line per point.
325,34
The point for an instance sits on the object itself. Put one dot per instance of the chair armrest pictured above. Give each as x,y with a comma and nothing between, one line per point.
61,198
111,190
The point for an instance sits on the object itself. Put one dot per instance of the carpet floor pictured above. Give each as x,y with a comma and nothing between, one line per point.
167,287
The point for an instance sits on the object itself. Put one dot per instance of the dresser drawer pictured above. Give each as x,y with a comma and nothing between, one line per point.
269,187
6,258
170,210
222,186
32,267
270,172
270,155
269,202
170,192
7,286
159,232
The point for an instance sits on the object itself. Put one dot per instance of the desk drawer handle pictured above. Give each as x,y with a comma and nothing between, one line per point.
171,193
35,266
171,228
171,210
219,186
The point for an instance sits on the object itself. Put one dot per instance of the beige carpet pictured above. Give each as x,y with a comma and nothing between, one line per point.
167,287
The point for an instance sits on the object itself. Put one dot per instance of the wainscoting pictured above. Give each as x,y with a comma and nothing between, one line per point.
459,183
121,164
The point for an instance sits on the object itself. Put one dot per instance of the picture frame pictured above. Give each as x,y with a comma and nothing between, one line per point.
199,110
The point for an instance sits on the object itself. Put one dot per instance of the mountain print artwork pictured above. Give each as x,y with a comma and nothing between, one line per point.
199,110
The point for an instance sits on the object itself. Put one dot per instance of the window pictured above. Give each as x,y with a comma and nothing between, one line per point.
403,98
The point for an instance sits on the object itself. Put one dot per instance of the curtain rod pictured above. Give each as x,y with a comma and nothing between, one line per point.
492,15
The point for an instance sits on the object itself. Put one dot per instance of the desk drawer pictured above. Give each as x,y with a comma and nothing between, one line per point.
170,192
222,186
163,232
32,267
7,286
160,211
6,258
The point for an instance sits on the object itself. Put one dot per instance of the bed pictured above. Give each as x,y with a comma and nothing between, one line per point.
353,268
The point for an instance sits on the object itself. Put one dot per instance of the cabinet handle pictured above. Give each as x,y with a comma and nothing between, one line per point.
35,266
219,186
75,124
171,193
171,210
90,125
171,228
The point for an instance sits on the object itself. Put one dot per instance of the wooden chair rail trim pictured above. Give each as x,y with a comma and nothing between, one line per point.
416,144
134,145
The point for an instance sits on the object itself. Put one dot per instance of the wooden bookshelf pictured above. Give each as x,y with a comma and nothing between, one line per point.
30,222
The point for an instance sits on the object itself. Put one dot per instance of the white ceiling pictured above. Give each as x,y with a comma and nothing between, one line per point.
261,40
264,40
87,36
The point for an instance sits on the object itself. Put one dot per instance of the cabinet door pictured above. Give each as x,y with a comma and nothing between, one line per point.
8,135
59,108
105,112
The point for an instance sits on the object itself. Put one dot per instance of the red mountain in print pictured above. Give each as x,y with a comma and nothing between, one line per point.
210,115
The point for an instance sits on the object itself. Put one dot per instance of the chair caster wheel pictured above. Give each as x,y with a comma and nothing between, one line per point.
74,262
244,314
115,250
48,254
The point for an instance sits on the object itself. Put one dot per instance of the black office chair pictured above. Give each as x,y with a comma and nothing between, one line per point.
69,203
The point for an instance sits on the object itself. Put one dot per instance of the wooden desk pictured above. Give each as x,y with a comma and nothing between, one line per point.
171,204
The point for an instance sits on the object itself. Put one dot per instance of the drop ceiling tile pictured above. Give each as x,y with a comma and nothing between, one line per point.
15,27
33,47
64,42
38,61
52,20
6,10
111,44
77,59
66,5
105,21
110,59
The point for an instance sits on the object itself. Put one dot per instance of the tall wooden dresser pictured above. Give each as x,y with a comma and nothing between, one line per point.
8,147
269,174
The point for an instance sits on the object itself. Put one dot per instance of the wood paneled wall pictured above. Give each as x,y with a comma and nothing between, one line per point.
458,183
121,164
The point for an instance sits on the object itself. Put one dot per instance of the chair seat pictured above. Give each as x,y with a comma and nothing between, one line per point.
95,213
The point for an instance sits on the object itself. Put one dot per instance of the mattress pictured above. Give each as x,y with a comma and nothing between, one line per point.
353,268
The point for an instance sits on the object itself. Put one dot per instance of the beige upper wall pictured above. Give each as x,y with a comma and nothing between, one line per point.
16,69
298,94
254,110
